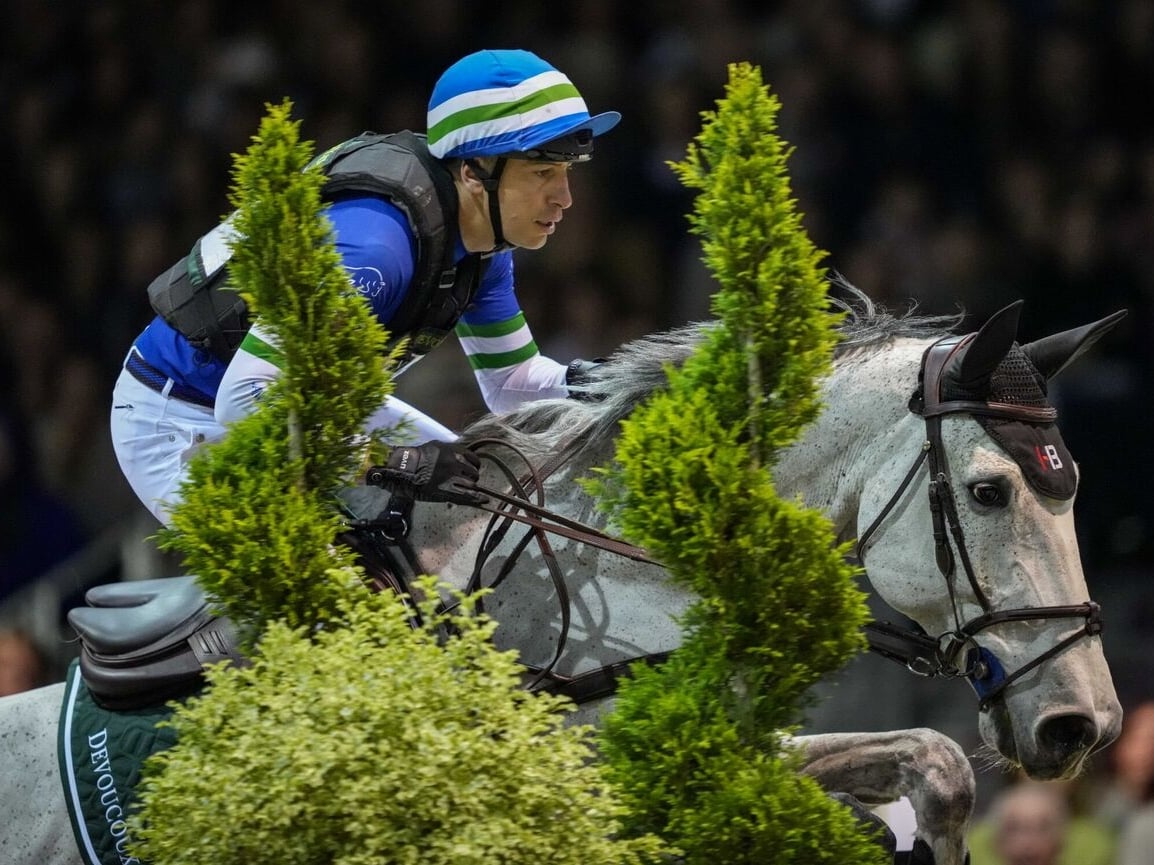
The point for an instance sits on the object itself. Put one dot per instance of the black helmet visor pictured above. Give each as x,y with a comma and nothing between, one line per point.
574,147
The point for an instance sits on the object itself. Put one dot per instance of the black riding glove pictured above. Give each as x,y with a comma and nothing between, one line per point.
577,376
432,472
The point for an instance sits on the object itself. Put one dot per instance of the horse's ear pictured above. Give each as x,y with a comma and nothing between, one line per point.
1052,354
992,342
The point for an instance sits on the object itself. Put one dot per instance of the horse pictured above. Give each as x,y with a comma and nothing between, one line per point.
938,452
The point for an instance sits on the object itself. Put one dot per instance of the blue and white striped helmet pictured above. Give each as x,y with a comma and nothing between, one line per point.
514,104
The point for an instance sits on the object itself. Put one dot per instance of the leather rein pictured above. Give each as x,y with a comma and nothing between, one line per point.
956,653
524,505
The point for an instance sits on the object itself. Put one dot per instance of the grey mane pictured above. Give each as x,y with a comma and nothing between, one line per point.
542,428
869,324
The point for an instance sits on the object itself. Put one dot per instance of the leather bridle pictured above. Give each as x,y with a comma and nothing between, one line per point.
516,507
956,653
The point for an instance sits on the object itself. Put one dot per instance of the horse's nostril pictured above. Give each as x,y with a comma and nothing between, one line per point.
1068,733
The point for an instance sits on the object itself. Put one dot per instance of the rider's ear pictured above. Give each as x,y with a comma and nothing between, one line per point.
469,177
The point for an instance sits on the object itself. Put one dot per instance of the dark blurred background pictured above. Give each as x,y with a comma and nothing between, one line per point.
958,156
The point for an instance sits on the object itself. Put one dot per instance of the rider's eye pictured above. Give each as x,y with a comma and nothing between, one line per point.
988,494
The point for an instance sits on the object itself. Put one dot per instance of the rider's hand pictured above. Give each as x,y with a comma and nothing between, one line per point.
432,472
577,377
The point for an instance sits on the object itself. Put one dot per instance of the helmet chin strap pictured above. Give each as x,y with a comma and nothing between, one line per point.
491,182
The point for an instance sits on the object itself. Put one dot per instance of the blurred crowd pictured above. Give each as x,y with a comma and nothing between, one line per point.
953,156
1104,817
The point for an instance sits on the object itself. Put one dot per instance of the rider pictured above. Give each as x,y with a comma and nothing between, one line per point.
504,128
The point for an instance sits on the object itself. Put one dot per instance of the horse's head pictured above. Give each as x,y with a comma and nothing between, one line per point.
983,556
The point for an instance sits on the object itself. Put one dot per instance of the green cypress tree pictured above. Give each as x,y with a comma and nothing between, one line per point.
695,745
257,519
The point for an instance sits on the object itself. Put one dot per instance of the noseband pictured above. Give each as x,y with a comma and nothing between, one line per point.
957,653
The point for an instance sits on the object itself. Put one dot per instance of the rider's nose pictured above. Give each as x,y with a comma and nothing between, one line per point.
561,194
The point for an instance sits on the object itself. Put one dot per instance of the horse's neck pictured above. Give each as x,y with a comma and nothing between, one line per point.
865,420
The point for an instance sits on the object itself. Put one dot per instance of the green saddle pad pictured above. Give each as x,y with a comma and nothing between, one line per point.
101,755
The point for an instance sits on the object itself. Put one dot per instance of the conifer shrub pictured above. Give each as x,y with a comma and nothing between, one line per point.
696,745
258,513
374,743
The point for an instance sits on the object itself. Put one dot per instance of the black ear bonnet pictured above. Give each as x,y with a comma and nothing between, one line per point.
1037,448
991,376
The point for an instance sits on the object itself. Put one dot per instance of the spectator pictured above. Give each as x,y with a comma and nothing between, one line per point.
1032,823
37,529
1128,801
23,666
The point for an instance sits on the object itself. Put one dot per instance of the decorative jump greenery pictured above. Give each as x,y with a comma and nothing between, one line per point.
353,739
696,745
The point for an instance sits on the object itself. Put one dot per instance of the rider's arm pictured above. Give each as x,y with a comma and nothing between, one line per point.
510,370
376,247
256,364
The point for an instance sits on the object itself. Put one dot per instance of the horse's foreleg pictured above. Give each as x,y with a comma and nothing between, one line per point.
927,767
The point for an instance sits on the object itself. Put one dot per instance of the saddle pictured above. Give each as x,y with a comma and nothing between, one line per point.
145,642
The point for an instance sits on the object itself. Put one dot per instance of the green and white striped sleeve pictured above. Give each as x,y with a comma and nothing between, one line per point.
509,368
256,364
496,345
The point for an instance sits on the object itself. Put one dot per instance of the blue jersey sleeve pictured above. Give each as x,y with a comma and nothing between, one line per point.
377,248
495,299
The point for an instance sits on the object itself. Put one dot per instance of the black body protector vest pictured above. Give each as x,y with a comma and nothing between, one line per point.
193,296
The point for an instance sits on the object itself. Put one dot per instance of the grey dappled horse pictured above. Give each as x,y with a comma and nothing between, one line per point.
984,560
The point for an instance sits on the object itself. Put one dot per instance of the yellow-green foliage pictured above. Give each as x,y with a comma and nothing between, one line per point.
695,744
258,517
375,744
777,338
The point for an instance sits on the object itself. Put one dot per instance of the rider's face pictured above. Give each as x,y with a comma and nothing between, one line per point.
533,196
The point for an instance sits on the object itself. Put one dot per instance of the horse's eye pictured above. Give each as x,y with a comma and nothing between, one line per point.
988,494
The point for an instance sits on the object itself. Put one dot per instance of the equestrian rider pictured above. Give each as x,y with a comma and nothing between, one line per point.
504,128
